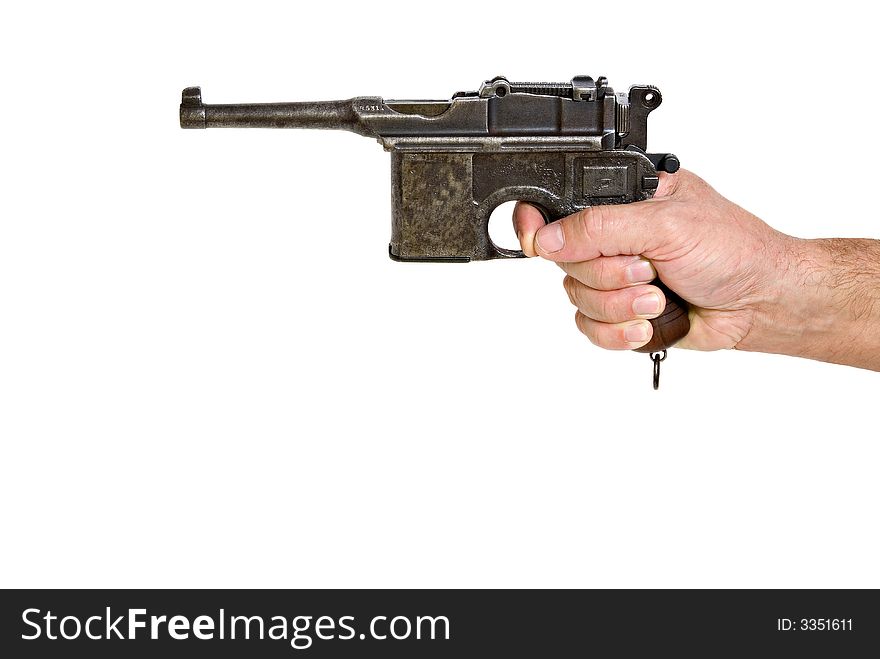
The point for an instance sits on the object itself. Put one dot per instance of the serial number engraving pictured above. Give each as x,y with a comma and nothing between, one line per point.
371,108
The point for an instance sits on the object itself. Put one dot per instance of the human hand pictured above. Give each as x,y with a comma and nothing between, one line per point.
717,256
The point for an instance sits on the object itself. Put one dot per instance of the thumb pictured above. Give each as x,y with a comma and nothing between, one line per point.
602,231
612,230
526,221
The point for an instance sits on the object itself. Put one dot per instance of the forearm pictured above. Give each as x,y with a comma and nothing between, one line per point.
824,305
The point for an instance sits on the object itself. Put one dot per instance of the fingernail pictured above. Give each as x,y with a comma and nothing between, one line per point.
640,271
646,305
637,332
550,238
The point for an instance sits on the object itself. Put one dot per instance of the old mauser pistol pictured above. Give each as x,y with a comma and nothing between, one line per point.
559,146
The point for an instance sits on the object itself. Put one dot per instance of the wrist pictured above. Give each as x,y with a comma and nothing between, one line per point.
819,302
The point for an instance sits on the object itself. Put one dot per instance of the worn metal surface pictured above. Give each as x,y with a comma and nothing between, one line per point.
561,146
441,200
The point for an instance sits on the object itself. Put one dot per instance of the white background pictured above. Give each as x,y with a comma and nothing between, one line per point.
211,374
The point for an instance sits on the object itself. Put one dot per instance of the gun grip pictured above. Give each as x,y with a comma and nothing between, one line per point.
672,325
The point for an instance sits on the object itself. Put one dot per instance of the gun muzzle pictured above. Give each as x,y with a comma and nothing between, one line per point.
338,115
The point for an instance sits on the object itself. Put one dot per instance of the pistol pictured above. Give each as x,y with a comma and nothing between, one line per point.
561,147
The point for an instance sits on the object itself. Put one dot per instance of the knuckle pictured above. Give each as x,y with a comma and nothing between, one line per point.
668,224
570,284
582,218
580,322
671,184
691,185
603,335
602,275
594,221
604,340
587,327
587,219
608,307
580,296
615,338
607,337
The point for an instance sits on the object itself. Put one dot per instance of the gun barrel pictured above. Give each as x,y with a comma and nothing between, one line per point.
337,115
